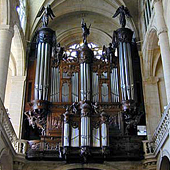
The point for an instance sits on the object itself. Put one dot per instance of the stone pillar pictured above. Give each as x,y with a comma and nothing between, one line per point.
6,34
153,112
164,44
16,101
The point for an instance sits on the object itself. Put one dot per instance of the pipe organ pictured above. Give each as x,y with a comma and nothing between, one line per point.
82,107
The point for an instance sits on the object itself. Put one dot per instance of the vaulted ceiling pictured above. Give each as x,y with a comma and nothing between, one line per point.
69,13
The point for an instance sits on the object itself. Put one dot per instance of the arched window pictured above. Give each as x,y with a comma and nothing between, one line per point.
21,9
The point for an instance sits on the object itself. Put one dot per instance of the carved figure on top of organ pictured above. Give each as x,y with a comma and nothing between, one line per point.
109,53
47,13
86,31
122,11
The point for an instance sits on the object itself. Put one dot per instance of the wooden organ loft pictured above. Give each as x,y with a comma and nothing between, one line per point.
86,106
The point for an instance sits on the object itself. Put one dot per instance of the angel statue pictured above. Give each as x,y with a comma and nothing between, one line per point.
122,11
47,13
109,52
86,31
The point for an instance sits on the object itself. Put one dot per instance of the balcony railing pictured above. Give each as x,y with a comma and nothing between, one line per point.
151,148
16,145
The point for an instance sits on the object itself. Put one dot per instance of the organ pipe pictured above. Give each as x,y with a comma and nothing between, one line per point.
85,125
104,130
66,142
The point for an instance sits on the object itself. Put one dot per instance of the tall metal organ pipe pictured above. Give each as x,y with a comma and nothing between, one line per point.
45,37
124,39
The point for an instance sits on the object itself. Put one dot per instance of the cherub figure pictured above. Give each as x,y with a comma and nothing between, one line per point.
122,11
86,31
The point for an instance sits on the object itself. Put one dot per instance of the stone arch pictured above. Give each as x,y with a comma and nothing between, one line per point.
151,56
6,160
150,48
16,78
86,167
62,8
164,155
161,84
99,33
18,50
165,163
72,36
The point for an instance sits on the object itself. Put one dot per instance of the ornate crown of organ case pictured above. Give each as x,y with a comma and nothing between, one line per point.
83,107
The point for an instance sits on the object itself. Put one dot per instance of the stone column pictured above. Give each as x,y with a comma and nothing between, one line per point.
152,104
6,34
16,102
164,44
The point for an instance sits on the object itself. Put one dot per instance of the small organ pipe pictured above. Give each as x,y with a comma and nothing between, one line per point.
131,71
104,134
66,141
41,73
45,72
114,81
126,64
55,84
85,82
123,86
88,81
117,88
36,91
82,80
52,84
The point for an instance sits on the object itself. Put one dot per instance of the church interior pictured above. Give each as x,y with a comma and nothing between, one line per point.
84,85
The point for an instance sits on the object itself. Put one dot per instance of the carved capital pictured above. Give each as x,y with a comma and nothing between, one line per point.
162,30
151,80
155,1
8,28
